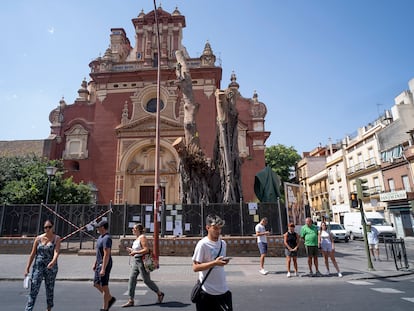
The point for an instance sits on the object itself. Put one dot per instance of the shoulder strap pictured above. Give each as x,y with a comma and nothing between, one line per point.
221,246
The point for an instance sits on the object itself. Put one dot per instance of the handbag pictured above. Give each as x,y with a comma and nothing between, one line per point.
150,262
196,292
197,289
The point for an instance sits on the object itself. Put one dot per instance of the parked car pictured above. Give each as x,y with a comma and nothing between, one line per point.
338,231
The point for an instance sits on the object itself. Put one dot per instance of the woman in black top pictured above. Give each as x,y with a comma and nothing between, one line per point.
291,240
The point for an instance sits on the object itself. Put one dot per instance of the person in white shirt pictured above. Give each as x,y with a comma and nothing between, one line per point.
373,241
262,234
210,253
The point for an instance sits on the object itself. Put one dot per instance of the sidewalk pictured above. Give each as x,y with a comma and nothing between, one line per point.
353,265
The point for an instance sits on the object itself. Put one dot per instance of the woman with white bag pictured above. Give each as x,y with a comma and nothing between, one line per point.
137,251
45,252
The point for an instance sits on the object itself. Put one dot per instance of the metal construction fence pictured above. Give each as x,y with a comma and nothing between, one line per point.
74,222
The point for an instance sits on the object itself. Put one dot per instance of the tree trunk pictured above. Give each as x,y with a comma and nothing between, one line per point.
226,155
190,107
194,169
200,181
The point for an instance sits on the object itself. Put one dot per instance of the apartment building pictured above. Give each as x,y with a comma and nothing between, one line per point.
382,153
312,163
363,161
337,185
396,146
319,196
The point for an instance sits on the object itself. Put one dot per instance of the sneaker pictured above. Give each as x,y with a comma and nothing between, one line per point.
375,259
339,274
263,271
318,273
288,274
296,274
311,273
327,273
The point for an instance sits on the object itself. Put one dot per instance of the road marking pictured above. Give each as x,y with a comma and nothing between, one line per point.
358,282
141,290
408,299
387,290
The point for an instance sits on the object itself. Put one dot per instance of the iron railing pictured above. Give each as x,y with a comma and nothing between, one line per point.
74,222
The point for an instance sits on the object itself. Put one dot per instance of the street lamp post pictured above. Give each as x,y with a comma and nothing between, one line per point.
157,195
50,171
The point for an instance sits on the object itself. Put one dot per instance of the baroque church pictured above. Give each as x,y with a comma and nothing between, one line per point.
106,137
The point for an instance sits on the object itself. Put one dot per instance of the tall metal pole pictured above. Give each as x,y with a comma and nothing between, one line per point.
364,226
48,189
280,215
157,194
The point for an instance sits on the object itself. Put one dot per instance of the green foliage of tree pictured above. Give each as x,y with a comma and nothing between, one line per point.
23,180
281,158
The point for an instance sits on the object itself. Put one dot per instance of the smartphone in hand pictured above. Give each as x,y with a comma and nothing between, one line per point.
227,258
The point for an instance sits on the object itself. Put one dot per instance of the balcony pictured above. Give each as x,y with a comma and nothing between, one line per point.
350,170
363,167
370,162
338,176
375,190
360,166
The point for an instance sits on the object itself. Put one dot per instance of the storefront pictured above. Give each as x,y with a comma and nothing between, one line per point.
400,206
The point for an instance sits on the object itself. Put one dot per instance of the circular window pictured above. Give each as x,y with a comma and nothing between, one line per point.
151,105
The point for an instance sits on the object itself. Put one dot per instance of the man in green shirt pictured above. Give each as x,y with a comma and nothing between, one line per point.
309,234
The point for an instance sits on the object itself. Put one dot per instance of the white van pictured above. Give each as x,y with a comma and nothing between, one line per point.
352,224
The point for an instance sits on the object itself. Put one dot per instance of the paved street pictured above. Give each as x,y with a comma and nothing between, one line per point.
370,289
298,294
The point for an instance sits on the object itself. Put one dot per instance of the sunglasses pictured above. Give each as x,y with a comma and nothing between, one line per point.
47,227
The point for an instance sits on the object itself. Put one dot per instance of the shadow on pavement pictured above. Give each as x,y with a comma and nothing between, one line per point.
167,304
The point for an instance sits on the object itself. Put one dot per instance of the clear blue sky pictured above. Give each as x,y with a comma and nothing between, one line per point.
322,67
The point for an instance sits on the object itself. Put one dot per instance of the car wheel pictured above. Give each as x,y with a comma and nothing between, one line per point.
346,240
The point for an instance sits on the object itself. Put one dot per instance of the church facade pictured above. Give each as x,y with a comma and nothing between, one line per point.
106,137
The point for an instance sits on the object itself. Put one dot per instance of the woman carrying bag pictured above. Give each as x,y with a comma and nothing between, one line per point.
137,251
45,253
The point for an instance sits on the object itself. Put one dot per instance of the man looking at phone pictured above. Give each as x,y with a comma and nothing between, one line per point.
262,234
210,253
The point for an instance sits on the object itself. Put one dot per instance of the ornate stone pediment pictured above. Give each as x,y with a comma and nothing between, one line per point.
148,124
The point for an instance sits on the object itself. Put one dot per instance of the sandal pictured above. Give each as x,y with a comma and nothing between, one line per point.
130,303
160,297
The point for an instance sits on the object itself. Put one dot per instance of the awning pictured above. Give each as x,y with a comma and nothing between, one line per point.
403,205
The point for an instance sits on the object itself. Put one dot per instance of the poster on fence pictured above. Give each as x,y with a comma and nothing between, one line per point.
295,208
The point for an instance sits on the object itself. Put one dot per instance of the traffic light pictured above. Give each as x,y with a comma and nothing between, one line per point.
362,188
354,200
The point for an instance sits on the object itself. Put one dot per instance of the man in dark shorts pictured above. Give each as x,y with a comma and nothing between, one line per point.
103,265
309,233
